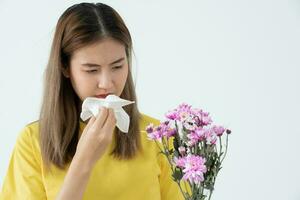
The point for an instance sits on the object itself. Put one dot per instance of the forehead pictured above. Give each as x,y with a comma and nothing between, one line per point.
103,52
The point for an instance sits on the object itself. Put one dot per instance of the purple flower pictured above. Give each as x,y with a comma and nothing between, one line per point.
149,128
193,168
195,136
210,136
189,123
219,130
181,150
184,107
163,130
197,140
170,132
201,133
184,111
172,115
180,113
180,162
202,118
155,135
166,122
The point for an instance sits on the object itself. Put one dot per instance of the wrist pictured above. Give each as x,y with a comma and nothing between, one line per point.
81,165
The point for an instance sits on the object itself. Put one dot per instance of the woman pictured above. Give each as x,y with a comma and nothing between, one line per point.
60,156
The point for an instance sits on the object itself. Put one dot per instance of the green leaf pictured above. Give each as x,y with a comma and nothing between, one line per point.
175,142
177,174
176,154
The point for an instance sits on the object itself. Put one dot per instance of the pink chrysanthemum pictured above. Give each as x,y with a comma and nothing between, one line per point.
196,136
202,118
193,168
172,115
185,113
163,130
219,130
210,136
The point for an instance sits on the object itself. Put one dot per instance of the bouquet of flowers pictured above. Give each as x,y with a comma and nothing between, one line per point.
194,147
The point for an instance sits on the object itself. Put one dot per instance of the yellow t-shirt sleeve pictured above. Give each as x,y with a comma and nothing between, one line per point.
23,179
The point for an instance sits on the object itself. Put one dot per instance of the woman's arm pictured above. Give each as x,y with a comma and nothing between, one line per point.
75,180
92,144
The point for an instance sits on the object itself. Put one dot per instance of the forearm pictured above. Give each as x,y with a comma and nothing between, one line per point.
75,181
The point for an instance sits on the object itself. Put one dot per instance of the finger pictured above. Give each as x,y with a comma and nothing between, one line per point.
101,118
90,122
110,122
108,127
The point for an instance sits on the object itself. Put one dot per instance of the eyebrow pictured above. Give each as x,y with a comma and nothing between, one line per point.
96,65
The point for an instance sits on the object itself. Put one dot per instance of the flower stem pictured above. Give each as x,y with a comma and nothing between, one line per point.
210,193
167,153
226,147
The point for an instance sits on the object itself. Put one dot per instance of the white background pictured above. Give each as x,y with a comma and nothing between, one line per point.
237,59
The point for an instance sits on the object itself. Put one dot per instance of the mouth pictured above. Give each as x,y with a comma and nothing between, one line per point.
103,96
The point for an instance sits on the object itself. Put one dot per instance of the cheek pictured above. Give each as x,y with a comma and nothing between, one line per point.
77,79
82,83
122,77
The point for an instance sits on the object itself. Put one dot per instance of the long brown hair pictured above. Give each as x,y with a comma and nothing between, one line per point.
81,25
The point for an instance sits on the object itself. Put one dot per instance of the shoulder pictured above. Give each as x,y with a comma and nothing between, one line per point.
27,140
30,131
33,126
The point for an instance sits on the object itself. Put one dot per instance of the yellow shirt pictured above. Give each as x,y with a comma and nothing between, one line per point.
146,177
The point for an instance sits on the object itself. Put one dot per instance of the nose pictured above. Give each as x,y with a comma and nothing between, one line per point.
105,81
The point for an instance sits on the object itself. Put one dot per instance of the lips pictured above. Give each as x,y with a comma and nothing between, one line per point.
102,95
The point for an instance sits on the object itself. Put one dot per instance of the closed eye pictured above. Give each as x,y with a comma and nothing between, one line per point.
91,71
94,70
117,67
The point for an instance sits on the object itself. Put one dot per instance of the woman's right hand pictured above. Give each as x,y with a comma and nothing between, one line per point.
96,137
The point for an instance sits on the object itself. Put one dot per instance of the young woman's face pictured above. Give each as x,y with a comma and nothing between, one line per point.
98,69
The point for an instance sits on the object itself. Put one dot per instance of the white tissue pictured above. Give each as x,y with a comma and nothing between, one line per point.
91,105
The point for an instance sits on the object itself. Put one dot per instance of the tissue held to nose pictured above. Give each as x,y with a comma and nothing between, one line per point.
91,105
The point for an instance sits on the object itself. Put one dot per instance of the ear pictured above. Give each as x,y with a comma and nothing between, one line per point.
66,72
